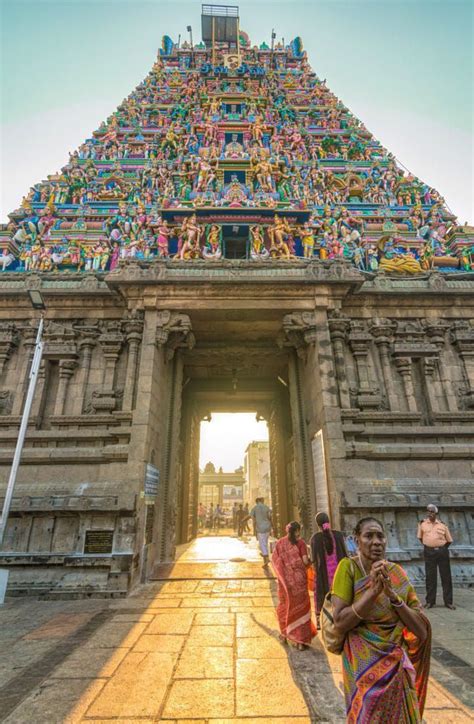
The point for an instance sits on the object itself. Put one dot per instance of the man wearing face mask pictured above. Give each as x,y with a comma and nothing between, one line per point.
436,539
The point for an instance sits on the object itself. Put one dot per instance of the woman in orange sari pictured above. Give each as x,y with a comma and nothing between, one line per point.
290,561
386,651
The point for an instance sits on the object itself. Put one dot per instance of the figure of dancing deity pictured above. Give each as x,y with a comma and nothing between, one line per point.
279,234
263,173
190,237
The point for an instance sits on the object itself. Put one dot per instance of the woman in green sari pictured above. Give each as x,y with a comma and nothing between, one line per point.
387,644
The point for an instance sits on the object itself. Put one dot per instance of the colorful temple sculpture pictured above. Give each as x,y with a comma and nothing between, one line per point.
200,148
231,239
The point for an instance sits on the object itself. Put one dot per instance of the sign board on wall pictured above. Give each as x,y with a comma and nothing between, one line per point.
152,481
98,542
320,476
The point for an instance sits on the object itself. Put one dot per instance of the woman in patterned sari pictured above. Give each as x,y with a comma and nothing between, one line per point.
290,561
387,645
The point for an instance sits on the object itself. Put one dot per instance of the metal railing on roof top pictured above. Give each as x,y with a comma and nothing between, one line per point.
228,11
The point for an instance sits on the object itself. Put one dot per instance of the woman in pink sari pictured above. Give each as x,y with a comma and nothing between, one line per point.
290,561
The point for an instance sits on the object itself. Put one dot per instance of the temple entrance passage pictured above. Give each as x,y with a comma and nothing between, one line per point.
231,428
234,471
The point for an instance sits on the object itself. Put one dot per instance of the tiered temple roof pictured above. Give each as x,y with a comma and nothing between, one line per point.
217,155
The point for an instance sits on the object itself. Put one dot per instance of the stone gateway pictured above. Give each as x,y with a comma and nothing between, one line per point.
232,239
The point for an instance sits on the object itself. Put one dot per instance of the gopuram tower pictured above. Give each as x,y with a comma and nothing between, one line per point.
231,238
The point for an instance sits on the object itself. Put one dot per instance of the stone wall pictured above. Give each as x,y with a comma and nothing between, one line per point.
394,402
384,368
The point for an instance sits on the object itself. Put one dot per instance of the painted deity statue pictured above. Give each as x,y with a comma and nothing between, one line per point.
262,171
190,238
163,237
213,245
279,235
307,240
258,250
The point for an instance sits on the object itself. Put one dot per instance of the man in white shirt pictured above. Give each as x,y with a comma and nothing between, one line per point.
262,526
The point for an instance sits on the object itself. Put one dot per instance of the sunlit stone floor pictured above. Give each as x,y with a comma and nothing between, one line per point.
187,651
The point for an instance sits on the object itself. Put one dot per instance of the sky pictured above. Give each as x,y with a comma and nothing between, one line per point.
404,67
225,438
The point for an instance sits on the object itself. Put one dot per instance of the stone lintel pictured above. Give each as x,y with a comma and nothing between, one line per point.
64,504
73,455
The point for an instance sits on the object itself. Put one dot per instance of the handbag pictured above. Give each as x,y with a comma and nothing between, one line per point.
333,639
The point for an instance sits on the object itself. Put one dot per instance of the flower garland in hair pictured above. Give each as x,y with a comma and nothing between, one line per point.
326,526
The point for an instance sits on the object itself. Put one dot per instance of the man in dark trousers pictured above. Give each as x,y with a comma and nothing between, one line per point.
436,539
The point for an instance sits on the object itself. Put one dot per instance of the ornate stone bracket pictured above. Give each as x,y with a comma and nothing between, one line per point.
9,338
339,327
174,331
299,331
59,341
368,394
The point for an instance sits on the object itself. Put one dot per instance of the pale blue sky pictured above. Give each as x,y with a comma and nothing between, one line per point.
225,439
404,67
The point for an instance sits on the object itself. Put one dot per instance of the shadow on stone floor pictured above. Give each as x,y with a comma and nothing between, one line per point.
314,677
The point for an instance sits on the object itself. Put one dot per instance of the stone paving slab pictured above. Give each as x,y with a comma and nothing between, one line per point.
138,687
206,698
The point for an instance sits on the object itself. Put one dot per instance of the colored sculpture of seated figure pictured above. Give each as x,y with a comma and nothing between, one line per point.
394,260
234,149
235,195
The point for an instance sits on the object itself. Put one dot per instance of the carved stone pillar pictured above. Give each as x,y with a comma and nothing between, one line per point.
382,331
29,337
403,365
38,400
86,345
463,339
436,331
111,341
66,371
368,394
8,341
133,332
339,328
300,331
429,367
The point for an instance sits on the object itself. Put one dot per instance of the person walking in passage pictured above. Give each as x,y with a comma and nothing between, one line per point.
262,526
387,645
235,524
436,539
327,549
290,561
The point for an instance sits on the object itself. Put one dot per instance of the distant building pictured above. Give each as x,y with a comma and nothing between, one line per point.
257,472
219,487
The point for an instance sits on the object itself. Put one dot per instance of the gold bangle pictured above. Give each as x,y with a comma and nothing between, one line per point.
359,617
